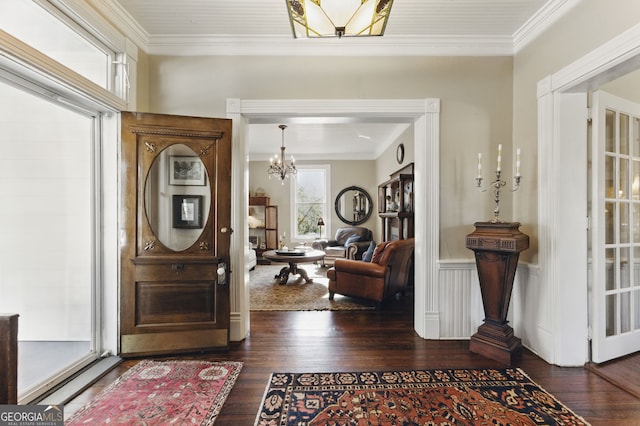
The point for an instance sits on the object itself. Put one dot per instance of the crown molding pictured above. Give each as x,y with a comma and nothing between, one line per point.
113,12
548,15
285,45
187,45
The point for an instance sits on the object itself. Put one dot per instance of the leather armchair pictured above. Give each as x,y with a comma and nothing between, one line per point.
341,246
386,275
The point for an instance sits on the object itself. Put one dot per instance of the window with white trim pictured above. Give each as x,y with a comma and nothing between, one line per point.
48,30
310,201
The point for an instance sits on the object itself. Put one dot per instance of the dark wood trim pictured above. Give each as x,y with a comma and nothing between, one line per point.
9,359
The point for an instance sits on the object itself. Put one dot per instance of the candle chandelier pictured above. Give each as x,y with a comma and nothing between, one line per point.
498,183
338,18
278,166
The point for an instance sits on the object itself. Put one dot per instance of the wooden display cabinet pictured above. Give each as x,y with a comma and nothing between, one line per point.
263,226
396,205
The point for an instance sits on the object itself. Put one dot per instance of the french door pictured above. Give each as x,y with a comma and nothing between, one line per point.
615,318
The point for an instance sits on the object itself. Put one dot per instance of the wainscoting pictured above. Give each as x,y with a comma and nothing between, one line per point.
461,310
460,301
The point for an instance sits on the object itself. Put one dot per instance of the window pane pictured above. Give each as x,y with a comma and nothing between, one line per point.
623,190
625,272
310,202
32,24
612,314
609,222
610,277
46,231
624,222
610,136
624,134
635,137
625,312
609,173
635,181
636,310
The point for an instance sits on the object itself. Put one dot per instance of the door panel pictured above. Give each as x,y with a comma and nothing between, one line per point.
176,182
616,232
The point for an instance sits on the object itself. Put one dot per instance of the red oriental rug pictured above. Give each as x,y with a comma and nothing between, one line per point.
162,393
423,397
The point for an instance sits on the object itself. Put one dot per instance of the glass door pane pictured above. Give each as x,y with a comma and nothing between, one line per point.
616,234
46,229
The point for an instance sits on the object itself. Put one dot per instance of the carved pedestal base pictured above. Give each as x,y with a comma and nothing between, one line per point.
496,341
497,247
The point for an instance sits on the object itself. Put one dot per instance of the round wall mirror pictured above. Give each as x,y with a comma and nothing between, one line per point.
353,205
177,197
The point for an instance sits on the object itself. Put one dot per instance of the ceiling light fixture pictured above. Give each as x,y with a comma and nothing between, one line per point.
278,165
338,18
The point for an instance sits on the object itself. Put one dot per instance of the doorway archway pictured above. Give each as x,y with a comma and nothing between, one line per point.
425,116
562,149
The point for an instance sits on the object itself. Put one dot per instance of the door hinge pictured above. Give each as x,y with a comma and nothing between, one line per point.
588,223
589,115
589,333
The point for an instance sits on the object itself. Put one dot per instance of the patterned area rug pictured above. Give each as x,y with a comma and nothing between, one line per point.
297,295
424,397
161,393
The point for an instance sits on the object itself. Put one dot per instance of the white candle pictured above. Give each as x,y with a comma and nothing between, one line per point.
518,162
499,157
479,164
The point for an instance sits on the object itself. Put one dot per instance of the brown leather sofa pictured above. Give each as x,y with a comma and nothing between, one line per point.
386,275
343,246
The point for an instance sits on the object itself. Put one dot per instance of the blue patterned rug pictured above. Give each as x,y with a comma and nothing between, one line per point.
419,397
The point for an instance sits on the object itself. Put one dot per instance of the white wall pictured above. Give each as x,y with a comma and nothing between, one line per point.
590,24
476,96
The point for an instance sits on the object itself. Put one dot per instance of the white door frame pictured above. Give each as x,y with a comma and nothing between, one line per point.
425,116
562,188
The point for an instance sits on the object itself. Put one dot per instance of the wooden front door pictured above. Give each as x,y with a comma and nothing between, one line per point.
175,235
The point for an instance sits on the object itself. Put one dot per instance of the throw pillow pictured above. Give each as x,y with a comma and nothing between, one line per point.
377,253
352,239
366,257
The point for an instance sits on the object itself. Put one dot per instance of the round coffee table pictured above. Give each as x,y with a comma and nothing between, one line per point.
293,258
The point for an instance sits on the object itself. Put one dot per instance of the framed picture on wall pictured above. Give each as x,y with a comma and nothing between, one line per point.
186,170
187,211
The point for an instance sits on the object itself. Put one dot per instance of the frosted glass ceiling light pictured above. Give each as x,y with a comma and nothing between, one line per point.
338,18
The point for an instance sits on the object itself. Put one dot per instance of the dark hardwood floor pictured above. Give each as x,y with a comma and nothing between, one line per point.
378,340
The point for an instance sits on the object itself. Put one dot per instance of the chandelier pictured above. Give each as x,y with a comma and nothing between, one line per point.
279,166
338,18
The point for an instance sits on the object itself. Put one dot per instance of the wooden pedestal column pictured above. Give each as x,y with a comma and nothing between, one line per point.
497,246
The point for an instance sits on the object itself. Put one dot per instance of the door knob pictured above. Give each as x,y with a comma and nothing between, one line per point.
222,273
224,230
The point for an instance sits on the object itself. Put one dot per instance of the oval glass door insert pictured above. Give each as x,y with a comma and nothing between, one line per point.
177,197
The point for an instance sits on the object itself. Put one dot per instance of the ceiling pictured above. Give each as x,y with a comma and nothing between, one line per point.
261,27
